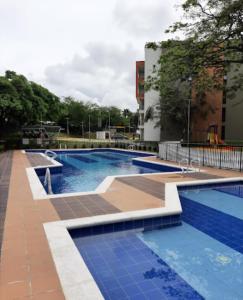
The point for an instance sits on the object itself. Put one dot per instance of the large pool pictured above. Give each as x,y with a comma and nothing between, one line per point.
84,170
200,259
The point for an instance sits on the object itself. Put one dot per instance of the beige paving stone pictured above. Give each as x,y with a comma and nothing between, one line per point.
127,198
27,267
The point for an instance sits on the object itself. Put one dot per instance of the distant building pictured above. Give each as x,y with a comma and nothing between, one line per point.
219,114
140,95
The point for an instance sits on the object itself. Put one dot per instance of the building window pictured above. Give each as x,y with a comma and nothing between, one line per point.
141,73
223,114
222,132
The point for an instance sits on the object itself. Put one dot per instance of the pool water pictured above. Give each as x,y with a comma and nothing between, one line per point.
84,171
200,259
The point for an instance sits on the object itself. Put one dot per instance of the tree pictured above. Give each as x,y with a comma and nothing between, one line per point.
215,29
23,102
213,44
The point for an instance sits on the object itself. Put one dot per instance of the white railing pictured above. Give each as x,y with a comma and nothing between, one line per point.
218,156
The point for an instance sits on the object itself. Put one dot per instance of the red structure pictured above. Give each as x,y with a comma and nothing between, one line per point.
140,82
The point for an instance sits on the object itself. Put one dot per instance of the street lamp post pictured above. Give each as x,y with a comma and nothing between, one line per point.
189,117
89,127
67,126
82,126
109,124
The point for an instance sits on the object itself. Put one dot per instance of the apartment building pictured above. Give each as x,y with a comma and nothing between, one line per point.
219,113
148,129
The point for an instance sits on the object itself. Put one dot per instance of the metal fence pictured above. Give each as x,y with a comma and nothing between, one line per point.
218,156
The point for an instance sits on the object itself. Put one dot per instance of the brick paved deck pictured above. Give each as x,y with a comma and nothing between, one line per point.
5,171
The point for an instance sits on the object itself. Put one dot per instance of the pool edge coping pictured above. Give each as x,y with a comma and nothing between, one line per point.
65,252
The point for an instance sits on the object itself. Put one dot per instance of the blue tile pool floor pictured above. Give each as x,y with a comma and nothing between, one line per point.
84,171
201,259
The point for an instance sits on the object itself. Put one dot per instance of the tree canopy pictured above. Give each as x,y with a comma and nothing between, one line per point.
212,45
24,102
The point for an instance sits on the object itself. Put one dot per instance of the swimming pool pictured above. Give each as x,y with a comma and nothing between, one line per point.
83,171
200,259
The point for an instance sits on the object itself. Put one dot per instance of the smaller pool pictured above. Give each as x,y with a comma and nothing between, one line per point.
84,170
151,259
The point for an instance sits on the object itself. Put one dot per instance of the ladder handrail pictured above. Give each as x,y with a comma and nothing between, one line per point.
196,160
183,168
53,154
131,147
47,181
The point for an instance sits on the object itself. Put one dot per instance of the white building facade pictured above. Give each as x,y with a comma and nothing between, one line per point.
151,97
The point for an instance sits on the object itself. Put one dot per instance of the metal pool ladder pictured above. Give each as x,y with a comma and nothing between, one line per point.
194,161
184,169
47,181
50,154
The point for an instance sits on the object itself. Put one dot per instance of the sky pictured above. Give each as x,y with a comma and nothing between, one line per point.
86,49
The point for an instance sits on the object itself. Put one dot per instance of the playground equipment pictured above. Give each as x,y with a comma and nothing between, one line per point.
212,137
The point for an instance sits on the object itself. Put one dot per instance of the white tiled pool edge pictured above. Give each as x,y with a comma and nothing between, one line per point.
39,193
76,280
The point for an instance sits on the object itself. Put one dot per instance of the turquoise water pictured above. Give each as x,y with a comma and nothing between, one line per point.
84,171
228,203
200,259
210,267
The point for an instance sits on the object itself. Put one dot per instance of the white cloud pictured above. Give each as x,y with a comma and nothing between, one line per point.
86,49
145,18
105,75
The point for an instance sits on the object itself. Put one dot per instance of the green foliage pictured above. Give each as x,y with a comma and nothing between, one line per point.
23,103
149,114
215,27
213,45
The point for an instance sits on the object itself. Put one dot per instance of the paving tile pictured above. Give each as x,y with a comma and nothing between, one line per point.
15,291
44,283
5,171
50,295
144,184
36,159
82,206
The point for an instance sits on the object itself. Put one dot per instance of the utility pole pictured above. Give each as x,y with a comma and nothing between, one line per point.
82,126
189,118
67,125
89,127
109,125
189,112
